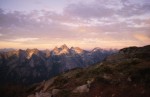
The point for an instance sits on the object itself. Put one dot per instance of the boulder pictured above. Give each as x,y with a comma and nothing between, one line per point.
89,82
41,94
55,91
81,89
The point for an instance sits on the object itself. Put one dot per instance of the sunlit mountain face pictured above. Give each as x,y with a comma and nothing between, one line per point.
83,23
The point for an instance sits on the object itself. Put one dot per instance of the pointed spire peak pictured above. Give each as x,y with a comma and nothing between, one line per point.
64,46
56,48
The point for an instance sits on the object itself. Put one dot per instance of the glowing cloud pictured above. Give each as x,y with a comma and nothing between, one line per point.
1,34
25,39
143,38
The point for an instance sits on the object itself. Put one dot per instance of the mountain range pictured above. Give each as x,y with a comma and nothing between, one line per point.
32,65
123,74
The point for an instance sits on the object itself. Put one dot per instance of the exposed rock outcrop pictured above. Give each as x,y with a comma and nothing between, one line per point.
81,89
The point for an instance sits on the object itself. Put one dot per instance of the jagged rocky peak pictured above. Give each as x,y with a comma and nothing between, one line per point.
61,50
56,50
13,52
77,50
64,47
97,49
30,52
65,50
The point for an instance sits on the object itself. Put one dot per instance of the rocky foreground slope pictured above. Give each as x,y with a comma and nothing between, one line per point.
125,74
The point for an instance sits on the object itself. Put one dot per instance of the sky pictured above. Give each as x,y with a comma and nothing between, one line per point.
44,24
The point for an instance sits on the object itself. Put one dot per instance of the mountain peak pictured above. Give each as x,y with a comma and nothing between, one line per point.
30,52
77,49
97,49
64,46
61,50
56,48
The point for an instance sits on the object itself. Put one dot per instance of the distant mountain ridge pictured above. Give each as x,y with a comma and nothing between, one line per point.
6,49
33,65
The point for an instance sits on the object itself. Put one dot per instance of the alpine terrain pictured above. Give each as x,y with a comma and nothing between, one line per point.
33,65
122,74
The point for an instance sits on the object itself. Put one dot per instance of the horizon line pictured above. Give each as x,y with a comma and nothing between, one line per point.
70,47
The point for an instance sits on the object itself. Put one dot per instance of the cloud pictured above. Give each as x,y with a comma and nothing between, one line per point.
25,39
35,24
83,10
98,22
132,8
107,8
